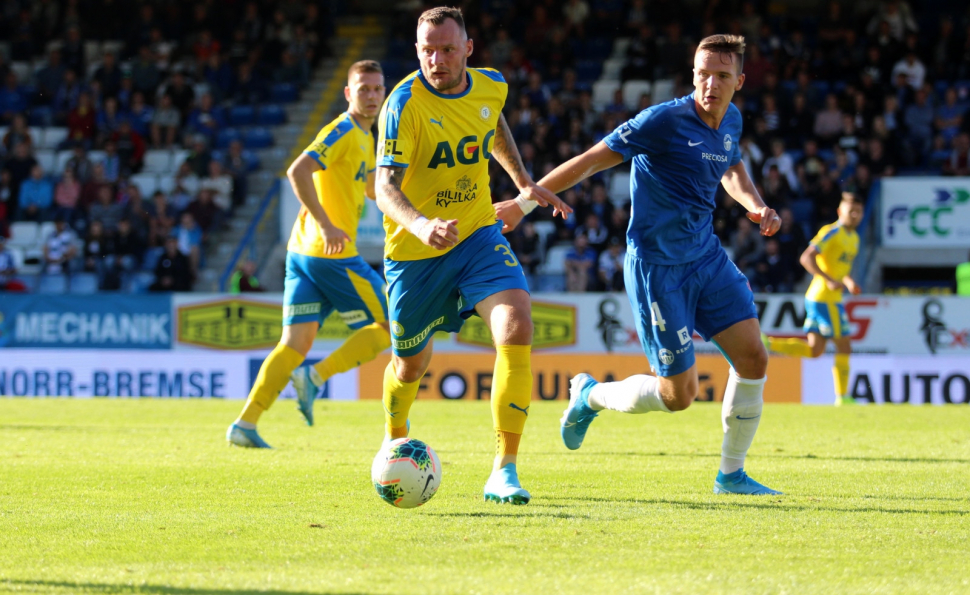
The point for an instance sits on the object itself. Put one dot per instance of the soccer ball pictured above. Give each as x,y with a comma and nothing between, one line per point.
406,473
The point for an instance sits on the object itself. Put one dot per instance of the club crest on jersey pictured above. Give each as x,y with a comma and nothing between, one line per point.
485,112
396,328
727,142
465,191
465,152
666,357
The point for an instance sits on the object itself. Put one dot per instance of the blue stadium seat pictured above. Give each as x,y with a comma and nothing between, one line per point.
138,282
588,70
56,283
257,138
270,115
822,87
40,115
251,159
803,210
598,48
218,155
283,93
225,136
242,115
151,258
84,283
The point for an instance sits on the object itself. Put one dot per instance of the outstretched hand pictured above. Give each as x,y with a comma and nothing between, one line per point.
768,218
546,198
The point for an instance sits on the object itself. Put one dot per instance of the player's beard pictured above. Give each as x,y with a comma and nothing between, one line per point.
450,83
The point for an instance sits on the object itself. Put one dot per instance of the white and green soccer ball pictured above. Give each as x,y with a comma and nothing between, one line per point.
406,473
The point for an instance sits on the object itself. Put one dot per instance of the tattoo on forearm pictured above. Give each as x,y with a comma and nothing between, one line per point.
506,152
391,200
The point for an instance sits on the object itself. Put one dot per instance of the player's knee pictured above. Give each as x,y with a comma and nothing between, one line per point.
512,327
818,349
678,396
410,369
753,363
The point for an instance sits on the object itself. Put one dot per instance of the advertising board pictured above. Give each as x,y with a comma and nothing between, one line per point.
915,380
925,212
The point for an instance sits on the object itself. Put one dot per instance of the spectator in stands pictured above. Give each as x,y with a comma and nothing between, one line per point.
218,74
162,217
126,247
59,248
49,77
8,200
783,161
92,188
140,115
958,163
106,210
918,118
181,94
189,239
36,197
912,68
113,166
244,279
580,265
596,233
131,148
173,272
13,100
18,133
828,123
72,49
144,73
827,200
66,98
248,89
80,165
611,266
136,211
19,164
576,12
205,120
746,247
108,120
109,76
81,123
773,273
236,166
775,189
199,156
799,122
8,270
841,169
185,189
67,193
166,123
949,116
204,210
289,70
94,248
221,185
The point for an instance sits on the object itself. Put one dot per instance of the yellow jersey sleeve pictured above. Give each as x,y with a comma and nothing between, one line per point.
345,153
837,248
445,144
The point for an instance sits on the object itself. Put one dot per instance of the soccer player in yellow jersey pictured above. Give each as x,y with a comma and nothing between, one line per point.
324,272
829,258
445,258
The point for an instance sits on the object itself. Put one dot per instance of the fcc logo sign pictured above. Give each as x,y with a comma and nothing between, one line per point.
666,357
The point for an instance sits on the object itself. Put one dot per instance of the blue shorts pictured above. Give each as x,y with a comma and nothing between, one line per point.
670,302
826,318
315,287
439,294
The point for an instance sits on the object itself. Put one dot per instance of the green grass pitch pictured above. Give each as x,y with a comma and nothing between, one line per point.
144,496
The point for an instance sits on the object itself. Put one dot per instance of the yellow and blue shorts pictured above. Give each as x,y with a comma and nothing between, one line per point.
826,318
439,294
315,287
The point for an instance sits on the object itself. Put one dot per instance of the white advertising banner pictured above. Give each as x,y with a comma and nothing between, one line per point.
925,212
914,380
136,373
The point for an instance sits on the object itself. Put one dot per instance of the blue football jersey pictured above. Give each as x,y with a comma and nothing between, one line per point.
678,161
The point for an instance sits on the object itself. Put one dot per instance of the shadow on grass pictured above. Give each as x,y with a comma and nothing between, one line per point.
73,587
730,502
691,455
527,512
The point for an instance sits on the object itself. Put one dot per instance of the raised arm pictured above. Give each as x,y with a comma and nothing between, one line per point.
738,184
598,158
392,201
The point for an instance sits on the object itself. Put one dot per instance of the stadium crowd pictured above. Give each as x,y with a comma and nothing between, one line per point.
831,102
119,83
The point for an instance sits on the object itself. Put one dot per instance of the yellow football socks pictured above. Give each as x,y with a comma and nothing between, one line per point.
398,398
506,443
840,372
511,387
273,376
359,348
795,347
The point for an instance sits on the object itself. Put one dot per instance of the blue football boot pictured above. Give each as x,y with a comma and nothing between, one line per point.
739,483
578,415
306,392
504,486
243,437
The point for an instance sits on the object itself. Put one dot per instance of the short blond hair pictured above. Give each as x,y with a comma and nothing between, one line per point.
438,15
725,44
